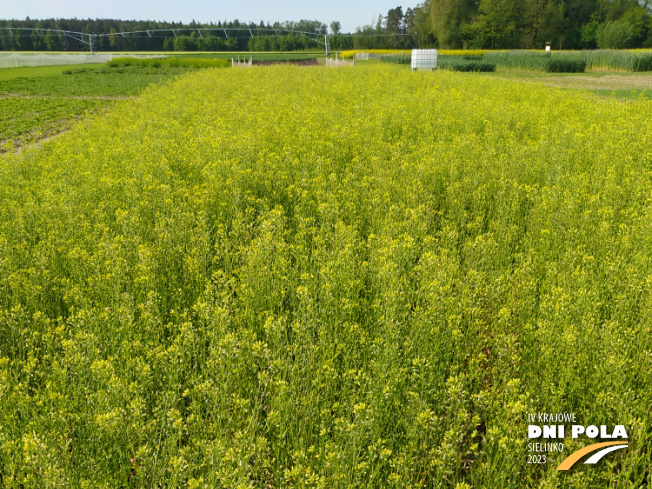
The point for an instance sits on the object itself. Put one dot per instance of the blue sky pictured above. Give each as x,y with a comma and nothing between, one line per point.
350,13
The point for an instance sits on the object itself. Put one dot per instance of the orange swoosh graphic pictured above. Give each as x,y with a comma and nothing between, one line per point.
575,456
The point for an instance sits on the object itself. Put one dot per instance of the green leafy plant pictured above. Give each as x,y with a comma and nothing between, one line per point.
557,65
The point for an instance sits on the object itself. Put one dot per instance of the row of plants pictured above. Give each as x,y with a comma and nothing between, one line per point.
573,61
168,62
381,52
399,59
551,62
37,107
448,62
30,119
487,63
633,60
211,60
357,278
465,65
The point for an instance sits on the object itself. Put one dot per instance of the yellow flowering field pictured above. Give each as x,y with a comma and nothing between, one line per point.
349,53
301,277
453,52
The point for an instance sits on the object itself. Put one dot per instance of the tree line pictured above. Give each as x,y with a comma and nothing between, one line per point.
526,24
484,24
212,37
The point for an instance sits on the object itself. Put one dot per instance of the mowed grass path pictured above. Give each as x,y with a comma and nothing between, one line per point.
299,277
604,83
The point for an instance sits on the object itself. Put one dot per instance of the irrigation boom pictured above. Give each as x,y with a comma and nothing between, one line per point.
90,39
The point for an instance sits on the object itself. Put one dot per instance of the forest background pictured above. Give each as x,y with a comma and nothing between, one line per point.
467,24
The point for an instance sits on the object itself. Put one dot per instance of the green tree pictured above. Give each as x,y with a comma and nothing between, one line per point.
556,25
185,43
19,41
496,26
395,27
639,18
543,21
36,41
450,19
616,34
577,13
51,41
589,35
420,28
116,42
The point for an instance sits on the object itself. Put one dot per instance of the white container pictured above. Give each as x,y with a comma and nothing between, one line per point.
424,59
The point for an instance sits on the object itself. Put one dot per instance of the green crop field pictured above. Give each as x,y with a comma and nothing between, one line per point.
300,277
39,102
37,71
27,119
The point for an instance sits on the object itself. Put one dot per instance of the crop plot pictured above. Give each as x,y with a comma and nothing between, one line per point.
29,119
300,277
37,107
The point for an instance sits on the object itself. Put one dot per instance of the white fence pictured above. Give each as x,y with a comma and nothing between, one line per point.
366,56
336,63
15,60
424,59
242,64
